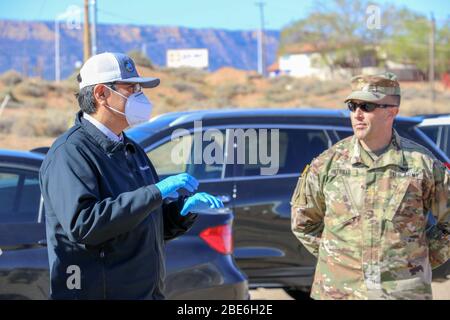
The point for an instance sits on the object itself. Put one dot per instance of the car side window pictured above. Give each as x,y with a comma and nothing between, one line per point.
440,134
431,131
189,154
297,147
19,196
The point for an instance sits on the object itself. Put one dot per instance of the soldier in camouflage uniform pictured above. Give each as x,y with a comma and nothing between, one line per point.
364,207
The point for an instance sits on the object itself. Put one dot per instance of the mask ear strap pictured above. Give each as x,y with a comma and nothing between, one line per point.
116,111
117,92
112,109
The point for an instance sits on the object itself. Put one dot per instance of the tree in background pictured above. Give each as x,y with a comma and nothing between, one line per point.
339,31
337,28
409,41
443,48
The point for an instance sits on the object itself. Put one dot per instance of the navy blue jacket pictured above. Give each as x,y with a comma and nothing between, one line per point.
105,216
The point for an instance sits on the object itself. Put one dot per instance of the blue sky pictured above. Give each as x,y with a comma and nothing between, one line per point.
229,14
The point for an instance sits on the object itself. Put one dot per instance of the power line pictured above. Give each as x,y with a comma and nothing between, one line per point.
41,8
115,15
94,27
87,52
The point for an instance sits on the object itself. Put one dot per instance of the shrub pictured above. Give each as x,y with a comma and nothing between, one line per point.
191,75
224,94
22,127
282,89
49,123
57,124
31,88
6,125
36,104
140,59
11,78
188,88
184,87
285,88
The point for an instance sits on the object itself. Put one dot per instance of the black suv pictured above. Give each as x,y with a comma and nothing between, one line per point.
199,264
265,248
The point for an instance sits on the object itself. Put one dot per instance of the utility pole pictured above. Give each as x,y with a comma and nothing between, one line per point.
431,75
87,34
94,26
73,21
261,45
144,49
57,58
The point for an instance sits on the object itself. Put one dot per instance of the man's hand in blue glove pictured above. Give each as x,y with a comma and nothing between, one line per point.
170,185
201,201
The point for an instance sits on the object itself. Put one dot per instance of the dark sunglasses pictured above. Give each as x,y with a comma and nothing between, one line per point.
365,107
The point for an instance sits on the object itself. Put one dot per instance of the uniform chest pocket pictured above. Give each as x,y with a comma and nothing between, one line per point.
405,209
342,207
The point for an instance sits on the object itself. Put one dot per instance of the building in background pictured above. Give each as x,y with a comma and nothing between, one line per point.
307,60
192,58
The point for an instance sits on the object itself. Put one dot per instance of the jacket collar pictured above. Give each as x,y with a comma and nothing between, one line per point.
106,131
393,155
107,145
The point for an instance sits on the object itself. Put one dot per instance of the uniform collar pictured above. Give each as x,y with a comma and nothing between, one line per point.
392,156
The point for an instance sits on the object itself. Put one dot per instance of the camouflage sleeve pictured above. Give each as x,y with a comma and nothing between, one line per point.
438,233
308,210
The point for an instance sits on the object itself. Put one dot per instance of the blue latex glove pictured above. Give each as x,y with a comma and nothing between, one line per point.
201,201
170,185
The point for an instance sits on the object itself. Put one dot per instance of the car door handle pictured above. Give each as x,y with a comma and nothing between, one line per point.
224,198
42,242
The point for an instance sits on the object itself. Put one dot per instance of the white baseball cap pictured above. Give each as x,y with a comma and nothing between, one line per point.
112,67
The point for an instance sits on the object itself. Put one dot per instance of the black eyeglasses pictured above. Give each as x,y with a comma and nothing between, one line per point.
366,106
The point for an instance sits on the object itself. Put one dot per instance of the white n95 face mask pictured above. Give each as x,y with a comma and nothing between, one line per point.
137,108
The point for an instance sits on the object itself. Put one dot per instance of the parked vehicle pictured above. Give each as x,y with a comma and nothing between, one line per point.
437,127
265,248
199,264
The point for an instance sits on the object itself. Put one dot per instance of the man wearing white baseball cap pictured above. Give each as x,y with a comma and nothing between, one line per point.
107,213
117,73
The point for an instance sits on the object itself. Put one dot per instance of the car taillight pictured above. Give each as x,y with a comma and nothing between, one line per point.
219,238
447,165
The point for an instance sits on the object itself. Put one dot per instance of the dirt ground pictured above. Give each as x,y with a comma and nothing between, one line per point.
441,291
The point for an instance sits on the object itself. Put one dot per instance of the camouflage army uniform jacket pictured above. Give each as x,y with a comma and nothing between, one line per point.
366,220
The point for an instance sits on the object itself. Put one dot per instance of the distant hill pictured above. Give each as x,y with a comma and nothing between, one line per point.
28,47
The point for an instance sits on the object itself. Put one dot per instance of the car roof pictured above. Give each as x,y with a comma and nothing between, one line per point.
16,154
173,119
433,115
255,112
436,121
